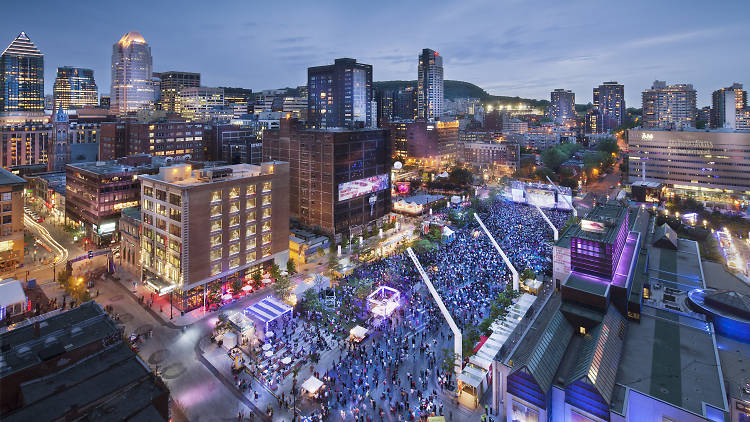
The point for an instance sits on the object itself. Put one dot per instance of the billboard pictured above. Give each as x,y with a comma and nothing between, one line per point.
540,197
593,226
364,186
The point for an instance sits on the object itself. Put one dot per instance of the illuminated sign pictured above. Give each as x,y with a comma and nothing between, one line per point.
364,186
647,136
593,226
403,188
107,228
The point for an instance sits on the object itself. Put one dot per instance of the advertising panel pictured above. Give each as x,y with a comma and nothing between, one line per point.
364,186
540,197
593,226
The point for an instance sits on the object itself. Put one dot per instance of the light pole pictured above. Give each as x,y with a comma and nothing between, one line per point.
170,304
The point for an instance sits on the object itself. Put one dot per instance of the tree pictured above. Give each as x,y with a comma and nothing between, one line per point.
291,268
275,270
528,274
282,287
608,146
333,262
236,285
460,176
257,279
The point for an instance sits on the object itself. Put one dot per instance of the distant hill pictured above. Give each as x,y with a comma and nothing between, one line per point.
461,89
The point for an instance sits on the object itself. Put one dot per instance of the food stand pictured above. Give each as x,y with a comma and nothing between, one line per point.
313,386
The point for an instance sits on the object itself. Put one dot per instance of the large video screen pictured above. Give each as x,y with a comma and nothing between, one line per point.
364,186
540,197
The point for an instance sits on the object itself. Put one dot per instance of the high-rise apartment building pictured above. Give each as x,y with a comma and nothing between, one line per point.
201,104
239,100
132,87
204,228
726,103
430,85
21,79
11,220
433,143
104,101
669,106
562,105
340,95
75,88
386,101
179,140
170,84
609,100
339,178
406,103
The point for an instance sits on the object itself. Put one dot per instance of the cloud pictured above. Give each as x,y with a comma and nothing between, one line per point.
672,38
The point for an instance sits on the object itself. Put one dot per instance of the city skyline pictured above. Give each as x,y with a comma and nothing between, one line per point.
697,45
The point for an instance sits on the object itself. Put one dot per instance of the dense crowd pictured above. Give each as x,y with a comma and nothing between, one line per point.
397,375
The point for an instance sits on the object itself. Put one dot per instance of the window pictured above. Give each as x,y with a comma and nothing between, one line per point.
266,251
161,210
266,226
148,191
250,230
266,212
234,192
234,234
215,210
234,262
215,254
266,186
175,214
234,221
250,204
7,219
215,225
234,206
175,199
234,248
216,195
267,238
161,195
175,230
251,189
161,224
266,200
250,257
215,268
250,217
149,205
216,240
175,246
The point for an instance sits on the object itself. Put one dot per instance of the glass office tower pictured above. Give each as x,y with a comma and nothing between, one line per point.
132,89
21,77
340,95
75,88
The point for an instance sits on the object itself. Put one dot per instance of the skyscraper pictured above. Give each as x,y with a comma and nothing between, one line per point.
170,85
340,95
21,78
562,105
669,106
132,88
726,102
609,99
75,88
430,85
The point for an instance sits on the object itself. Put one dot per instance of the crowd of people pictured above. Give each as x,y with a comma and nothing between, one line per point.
398,373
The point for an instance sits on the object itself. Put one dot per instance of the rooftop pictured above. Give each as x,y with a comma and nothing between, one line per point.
603,223
103,168
133,213
672,361
182,174
25,346
115,376
9,179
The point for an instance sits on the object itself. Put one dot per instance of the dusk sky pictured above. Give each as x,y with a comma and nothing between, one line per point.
524,48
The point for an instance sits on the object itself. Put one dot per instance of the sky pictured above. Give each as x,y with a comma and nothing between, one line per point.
508,47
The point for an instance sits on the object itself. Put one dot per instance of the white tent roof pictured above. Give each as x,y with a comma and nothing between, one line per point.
359,331
11,292
312,384
472,376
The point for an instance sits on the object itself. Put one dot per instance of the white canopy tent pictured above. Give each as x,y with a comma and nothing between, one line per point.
267,310
12,298
312,385
358,333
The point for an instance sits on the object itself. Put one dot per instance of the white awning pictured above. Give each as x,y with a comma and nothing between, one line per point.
11,292
312,385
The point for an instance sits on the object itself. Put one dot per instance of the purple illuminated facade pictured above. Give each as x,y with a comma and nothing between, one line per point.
598,257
